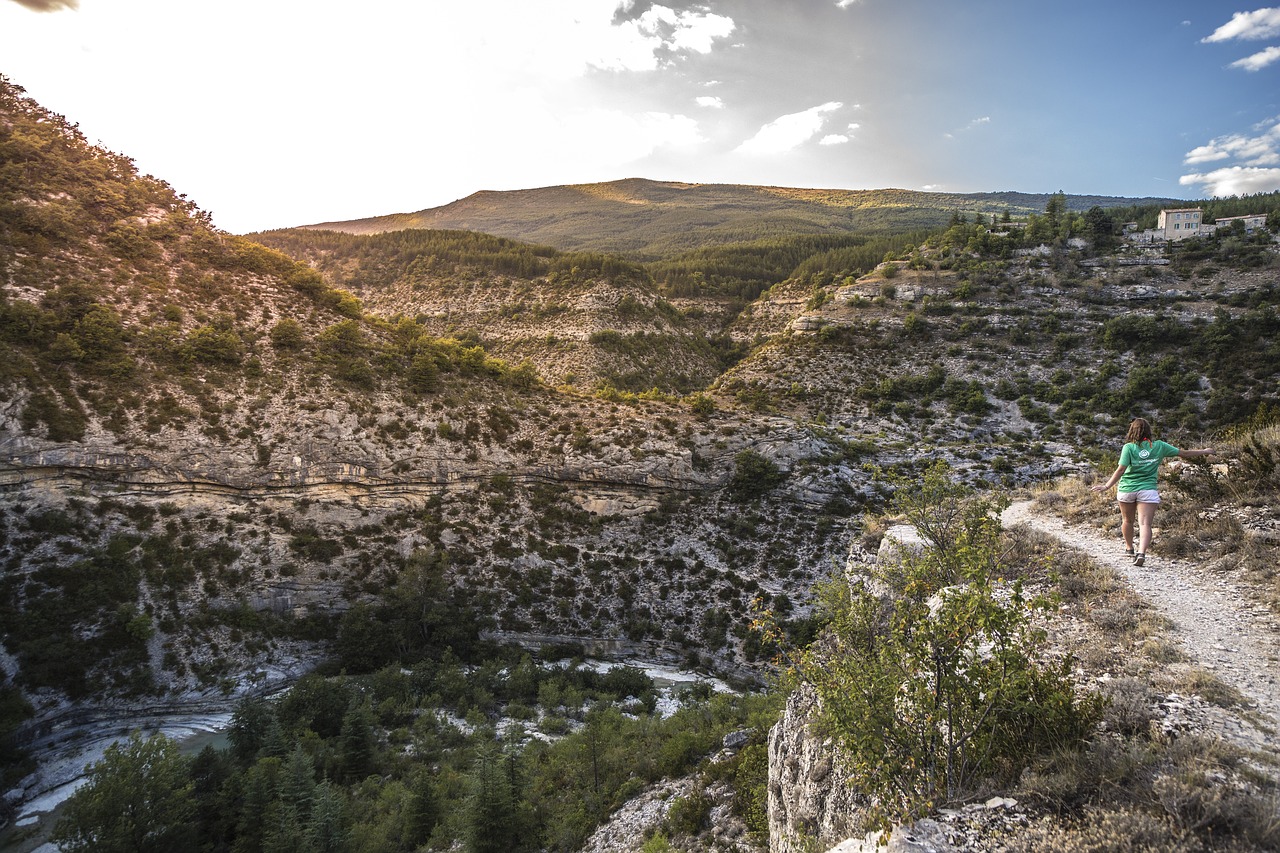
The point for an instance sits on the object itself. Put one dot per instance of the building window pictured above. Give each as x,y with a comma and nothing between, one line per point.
1177,225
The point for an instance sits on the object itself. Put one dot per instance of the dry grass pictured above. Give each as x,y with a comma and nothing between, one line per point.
1201,518
873,530
1126,793
1132,789
1208,686
1073,500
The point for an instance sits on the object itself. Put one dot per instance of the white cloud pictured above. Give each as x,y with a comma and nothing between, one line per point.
1261,150
710,101
1206,154
1234,180
637,44
853,125
845,4
977,122
1259,60
833,139
645,133
1258,24
789,131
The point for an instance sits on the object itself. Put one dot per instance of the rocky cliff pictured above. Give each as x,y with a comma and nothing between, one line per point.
812,804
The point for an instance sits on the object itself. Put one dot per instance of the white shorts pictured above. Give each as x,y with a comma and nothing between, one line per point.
1146,496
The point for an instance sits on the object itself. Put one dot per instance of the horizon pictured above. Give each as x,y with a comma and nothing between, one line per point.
327,113
1134,199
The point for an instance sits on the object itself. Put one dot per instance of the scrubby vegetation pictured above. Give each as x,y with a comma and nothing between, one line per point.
411,759
1135,779
931,672
372,450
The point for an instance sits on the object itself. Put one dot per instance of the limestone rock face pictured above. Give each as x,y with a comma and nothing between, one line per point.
810,798
899,541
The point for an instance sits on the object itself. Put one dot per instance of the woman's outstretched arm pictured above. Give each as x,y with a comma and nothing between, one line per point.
1115,478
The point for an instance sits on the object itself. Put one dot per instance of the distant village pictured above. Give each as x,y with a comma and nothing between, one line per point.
1183,222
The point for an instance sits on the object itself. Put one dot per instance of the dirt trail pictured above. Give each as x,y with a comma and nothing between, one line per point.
1218,626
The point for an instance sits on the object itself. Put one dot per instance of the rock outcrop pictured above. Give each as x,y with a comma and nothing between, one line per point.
810,798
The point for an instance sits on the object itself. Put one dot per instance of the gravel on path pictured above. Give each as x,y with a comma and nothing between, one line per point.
1218,626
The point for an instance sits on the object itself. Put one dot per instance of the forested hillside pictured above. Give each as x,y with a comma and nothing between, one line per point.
654,220
421,474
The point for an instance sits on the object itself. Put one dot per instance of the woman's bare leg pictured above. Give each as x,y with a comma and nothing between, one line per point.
1127,512
1146,515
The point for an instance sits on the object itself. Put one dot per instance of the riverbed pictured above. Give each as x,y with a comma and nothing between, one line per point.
63,766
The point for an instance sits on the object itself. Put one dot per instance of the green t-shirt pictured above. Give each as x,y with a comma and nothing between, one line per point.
1142,464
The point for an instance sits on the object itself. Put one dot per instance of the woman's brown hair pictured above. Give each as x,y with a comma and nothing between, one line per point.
1139,431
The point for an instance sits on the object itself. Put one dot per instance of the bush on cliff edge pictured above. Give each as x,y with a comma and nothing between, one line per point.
939,686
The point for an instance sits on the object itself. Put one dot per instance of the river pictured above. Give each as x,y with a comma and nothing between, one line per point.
65,758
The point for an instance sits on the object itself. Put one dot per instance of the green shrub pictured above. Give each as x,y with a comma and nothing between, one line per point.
938,687
288,334
208,344
754,475
62,422
690,814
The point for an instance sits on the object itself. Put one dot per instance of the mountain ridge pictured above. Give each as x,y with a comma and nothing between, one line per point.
650,220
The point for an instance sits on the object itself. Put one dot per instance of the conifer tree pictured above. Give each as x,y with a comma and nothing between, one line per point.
259,805
288,833
357,743
138,799
298,783
248,730
422,811
327,830
490,817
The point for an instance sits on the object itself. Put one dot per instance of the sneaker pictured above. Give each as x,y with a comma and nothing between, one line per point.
1128,552
1139,560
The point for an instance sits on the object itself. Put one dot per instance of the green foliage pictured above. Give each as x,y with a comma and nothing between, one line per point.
689,815
423,809
211,344
103,340
745,270
76,615
454,790
702,405
137,799
754,475
491,810
419,616
63,420
939,686
14,711
357,741
288,335
415,255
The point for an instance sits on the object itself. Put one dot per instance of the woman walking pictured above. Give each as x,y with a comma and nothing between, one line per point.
1136,475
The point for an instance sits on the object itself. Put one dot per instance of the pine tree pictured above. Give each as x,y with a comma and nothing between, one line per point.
248,729
490,817
259,805
274,742
357,743
288,833
422,811
298,782
327,830
138,799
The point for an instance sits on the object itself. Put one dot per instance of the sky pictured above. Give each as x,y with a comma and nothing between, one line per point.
273,113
